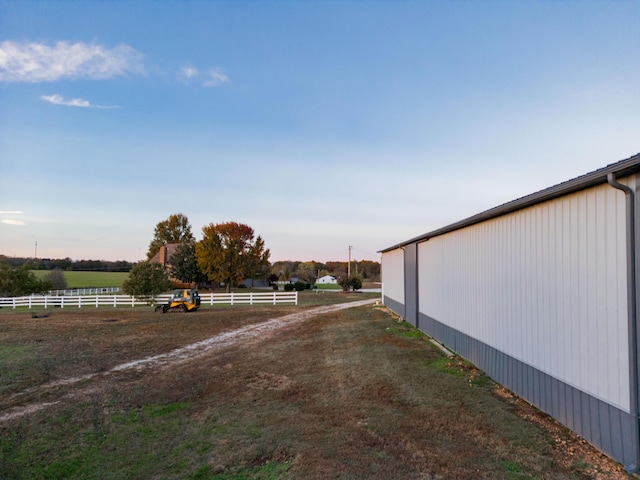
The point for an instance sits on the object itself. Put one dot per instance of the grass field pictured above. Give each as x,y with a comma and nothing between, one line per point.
321,286
352,393
89,279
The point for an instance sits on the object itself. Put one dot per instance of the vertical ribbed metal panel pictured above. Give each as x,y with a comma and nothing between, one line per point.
410,283
393,279
545,285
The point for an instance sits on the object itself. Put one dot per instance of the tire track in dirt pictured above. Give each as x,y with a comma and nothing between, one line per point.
164,360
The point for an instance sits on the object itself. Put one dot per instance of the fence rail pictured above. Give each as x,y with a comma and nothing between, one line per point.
248,298
85,291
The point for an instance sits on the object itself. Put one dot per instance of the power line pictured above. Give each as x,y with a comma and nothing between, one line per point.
376,256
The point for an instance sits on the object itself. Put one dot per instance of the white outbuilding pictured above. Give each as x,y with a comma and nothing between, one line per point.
327,280
541,294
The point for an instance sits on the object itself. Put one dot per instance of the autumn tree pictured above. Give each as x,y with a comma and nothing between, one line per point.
228,253
370,270
175,229
184,266
337,269
146,280
308,271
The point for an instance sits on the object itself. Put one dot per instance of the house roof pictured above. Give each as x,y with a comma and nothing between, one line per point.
622,168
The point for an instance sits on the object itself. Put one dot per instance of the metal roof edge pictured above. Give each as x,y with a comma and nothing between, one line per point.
597,177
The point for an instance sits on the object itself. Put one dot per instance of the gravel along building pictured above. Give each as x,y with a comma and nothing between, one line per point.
541,293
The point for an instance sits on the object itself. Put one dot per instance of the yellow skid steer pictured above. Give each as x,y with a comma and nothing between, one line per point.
183,300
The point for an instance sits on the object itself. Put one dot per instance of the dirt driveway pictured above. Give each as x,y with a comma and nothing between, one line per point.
63,389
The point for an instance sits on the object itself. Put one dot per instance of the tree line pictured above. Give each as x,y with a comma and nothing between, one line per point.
68,264
287,270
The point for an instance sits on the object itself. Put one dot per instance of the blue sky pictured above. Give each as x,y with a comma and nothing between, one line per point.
320,124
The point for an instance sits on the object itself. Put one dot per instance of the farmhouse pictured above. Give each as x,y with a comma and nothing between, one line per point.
327,280
541,293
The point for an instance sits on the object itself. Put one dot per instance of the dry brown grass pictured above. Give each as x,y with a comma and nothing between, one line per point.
345,394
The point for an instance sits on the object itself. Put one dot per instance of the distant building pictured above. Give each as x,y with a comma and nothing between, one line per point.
327,280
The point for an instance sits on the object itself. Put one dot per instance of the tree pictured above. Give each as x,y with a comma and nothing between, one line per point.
308,271
146,280
345,283
184,266
338,269
16,282
228,253
356,282
175,229
57,279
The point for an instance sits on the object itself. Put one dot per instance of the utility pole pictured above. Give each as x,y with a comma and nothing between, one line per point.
36,252
349,265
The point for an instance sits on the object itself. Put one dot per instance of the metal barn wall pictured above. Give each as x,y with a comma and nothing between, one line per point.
393,280
537,298
410,283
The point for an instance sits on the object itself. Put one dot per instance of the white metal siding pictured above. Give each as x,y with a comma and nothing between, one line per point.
393,275
545,285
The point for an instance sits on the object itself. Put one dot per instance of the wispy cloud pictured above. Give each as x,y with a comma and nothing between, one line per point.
10,221
189,72
9,217
74,102
38,62
213,77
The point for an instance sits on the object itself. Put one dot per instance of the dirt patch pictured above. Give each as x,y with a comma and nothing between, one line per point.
269,381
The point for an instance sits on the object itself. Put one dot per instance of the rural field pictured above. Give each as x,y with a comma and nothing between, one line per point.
336,387
78,279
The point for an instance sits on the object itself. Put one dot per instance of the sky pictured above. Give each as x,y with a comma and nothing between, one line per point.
321,124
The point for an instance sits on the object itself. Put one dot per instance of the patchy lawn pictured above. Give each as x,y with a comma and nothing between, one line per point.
313,391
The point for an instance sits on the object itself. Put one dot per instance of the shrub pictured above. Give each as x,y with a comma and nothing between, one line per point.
288,287
146,280
299,286
15,282
57,279
275,287
356,282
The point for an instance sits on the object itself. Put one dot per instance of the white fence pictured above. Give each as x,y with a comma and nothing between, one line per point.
248,298
85,291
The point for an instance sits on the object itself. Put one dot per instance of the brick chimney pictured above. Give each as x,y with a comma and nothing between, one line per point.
163,255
